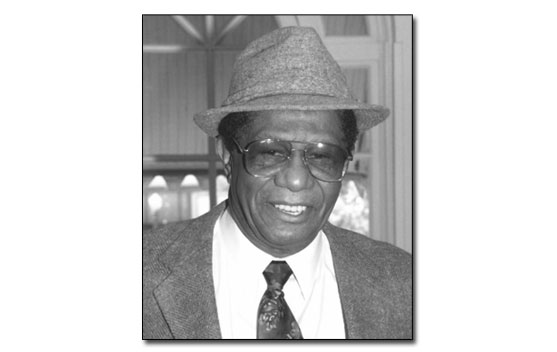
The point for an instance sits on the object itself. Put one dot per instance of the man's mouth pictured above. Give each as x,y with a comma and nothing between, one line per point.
294,210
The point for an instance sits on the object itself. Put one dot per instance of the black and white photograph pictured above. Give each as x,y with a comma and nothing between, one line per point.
277,177
351,175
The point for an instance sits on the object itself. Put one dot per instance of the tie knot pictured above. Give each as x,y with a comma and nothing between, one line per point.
277,273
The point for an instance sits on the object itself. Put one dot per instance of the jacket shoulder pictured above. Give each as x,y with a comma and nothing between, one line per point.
156,241
370,251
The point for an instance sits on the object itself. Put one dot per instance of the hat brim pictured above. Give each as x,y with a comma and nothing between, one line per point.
367,115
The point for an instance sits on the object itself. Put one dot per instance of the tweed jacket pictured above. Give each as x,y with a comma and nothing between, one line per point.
374,280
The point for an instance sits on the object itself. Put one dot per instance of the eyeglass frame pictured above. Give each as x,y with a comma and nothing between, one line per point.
244,151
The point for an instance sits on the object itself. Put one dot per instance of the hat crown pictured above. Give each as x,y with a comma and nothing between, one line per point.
289,69
290,60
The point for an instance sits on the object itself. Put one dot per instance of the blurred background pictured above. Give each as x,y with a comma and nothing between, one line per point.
187,66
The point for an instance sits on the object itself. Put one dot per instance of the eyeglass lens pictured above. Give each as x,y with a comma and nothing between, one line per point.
325,161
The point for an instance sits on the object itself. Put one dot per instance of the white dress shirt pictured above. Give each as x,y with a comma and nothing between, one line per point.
311,292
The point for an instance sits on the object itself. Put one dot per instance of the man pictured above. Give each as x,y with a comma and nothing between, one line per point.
266,263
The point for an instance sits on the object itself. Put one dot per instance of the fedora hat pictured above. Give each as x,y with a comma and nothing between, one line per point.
289,69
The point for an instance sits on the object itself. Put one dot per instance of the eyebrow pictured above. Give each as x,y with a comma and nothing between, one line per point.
266,135
342,146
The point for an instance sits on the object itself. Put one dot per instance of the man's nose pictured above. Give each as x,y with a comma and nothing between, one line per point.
295,175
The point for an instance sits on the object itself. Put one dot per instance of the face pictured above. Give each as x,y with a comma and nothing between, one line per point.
267,210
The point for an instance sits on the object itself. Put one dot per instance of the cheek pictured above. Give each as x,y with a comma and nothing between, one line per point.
330,195
248,189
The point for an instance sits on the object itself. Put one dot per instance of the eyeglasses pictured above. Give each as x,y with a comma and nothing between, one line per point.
266,157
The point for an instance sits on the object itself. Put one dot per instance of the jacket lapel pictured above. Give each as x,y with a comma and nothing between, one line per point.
363,305
187,296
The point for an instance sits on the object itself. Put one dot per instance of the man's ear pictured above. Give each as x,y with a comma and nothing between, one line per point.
224,155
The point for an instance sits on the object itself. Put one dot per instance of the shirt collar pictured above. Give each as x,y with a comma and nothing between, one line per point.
251,260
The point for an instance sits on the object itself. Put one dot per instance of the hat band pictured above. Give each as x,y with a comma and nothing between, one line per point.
298,86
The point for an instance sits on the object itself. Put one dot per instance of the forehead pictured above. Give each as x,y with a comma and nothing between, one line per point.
294,125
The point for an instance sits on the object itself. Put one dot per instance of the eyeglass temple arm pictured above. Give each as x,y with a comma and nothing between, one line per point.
242,150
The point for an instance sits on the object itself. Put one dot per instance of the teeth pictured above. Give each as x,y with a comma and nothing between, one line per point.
291,209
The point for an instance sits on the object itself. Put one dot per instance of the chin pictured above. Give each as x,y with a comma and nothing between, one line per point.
291,243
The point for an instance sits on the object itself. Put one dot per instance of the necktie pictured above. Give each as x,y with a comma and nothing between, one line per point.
274,318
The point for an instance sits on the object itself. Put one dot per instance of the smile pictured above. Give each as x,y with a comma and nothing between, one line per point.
294,210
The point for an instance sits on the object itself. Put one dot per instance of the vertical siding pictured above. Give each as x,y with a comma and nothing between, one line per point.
195,80
174,89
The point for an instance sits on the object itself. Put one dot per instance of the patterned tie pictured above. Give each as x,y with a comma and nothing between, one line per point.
274,318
